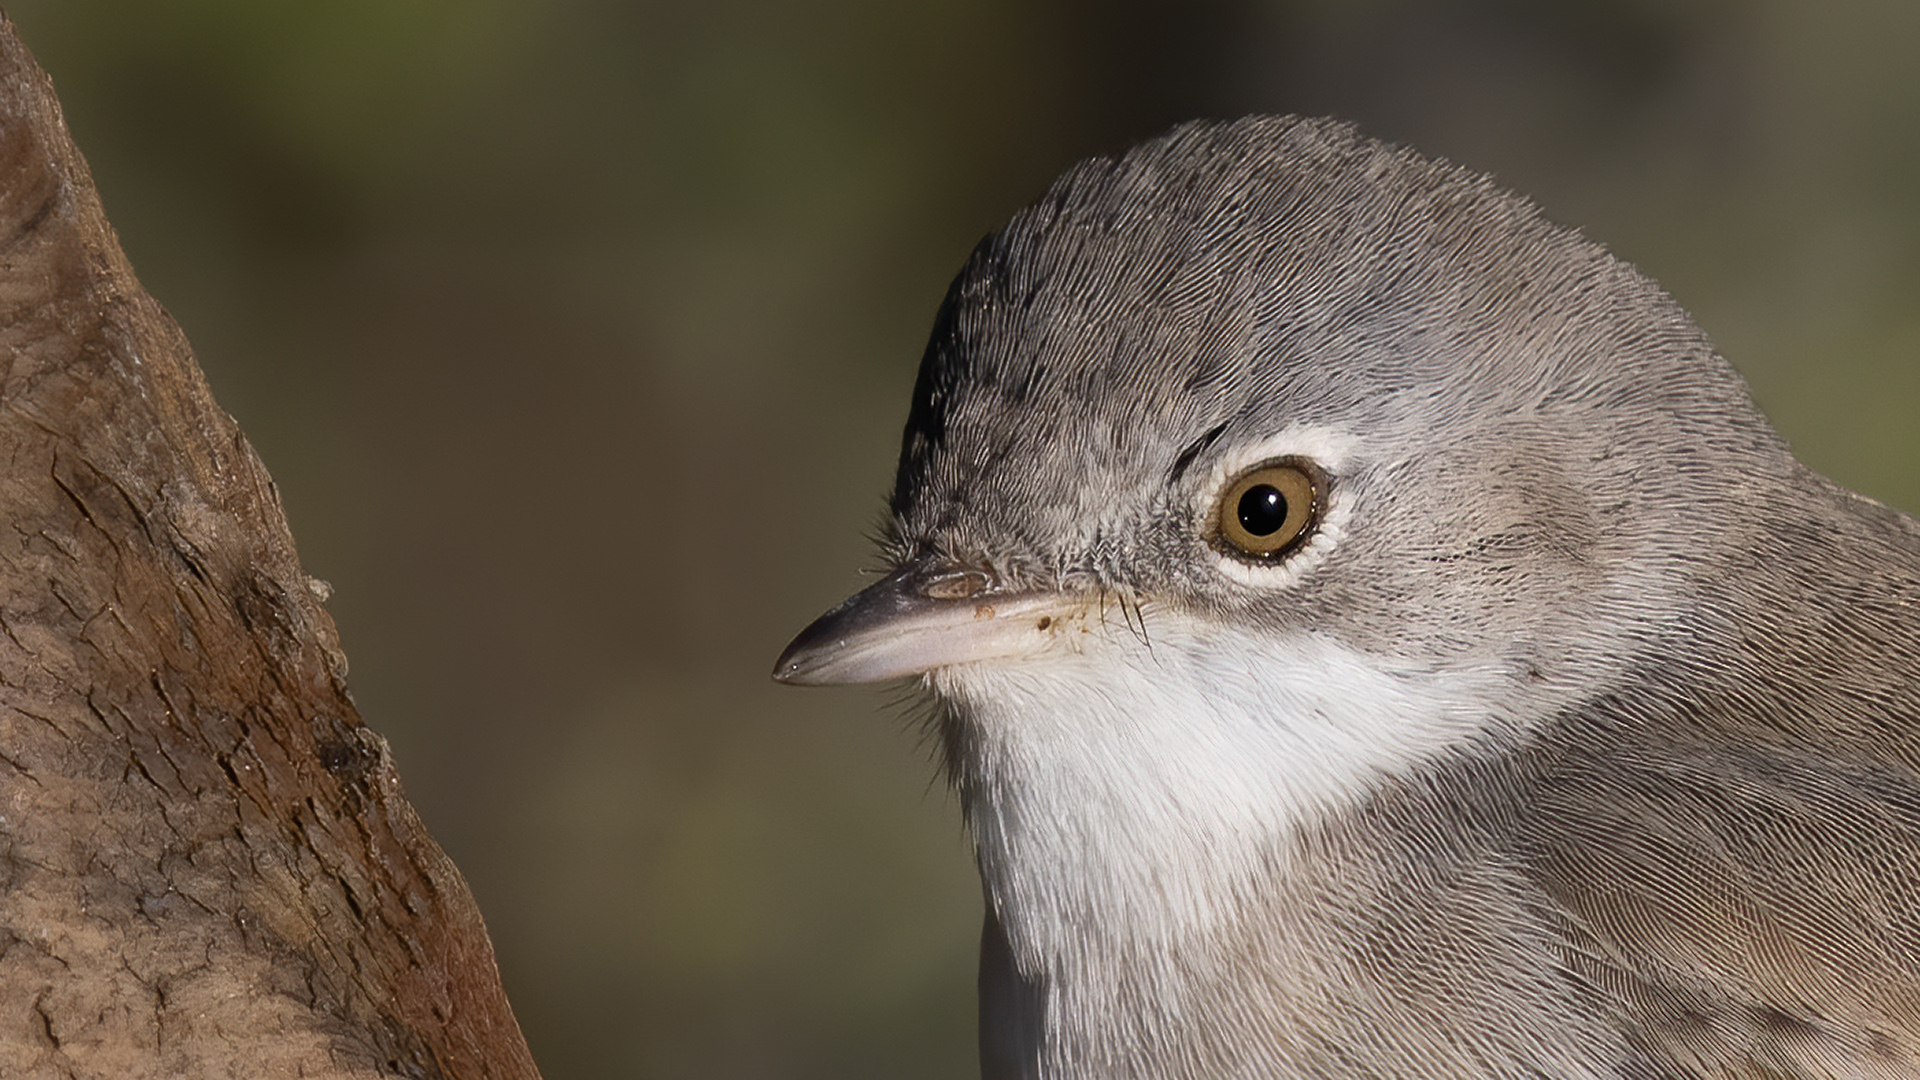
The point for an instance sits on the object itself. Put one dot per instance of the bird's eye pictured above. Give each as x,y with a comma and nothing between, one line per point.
1269,510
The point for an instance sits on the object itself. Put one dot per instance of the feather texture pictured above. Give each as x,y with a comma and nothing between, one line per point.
1579,740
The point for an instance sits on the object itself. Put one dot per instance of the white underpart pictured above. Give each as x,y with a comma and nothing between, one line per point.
1128,788
1134,789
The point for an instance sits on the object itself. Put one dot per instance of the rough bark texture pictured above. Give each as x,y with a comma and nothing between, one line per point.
207,867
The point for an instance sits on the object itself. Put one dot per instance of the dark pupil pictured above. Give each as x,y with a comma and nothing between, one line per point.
1262,510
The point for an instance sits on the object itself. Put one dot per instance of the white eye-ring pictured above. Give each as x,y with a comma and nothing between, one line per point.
1271,511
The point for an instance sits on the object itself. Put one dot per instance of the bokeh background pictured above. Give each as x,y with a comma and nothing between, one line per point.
578,335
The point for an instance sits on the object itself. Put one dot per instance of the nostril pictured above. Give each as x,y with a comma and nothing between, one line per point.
958,585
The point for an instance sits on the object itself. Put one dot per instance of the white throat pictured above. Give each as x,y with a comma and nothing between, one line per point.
1124,790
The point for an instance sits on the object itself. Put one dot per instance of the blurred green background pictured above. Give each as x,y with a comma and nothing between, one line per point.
578,335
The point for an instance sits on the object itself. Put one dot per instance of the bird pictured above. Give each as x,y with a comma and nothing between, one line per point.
1372,632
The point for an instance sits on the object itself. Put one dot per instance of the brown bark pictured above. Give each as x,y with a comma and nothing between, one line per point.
207,867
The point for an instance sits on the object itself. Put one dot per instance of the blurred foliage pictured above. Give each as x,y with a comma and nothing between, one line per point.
578,335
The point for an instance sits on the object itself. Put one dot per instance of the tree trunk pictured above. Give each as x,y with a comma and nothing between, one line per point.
207,866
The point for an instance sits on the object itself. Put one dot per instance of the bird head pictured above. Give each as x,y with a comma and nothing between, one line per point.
1267,461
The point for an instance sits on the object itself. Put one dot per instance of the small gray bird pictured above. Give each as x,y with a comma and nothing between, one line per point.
1373,634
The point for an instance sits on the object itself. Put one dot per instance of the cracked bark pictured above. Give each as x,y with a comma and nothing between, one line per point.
207,866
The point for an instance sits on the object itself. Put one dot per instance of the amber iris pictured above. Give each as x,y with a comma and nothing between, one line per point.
1267,511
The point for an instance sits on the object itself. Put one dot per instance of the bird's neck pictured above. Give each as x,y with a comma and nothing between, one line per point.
1124,797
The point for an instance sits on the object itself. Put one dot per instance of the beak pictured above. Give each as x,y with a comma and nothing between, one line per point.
918,618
